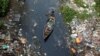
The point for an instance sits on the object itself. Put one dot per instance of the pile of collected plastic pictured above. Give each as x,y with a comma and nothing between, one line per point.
84,37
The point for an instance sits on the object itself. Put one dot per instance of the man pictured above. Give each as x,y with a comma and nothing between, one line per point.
51,13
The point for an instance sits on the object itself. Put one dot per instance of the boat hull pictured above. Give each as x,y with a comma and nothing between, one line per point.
48,29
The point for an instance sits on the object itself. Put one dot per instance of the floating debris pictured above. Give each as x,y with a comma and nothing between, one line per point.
45,54
20,29
59,43
33,30
34,37
20,32
35,24
35,1
59,13
23,40
32,9
38,53
16,17
24,13
36,42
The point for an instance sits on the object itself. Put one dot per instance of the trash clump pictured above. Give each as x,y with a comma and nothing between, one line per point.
84,37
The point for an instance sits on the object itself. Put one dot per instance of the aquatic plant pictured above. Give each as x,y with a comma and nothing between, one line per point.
97,6
3,7
68,13
84,15
80,3
2,24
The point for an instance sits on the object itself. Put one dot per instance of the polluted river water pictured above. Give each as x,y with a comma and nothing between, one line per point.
33,22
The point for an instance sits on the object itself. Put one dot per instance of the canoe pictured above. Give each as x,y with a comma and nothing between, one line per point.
48,28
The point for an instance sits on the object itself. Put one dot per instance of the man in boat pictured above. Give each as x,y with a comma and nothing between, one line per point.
50,23
52,16
51,13
47,30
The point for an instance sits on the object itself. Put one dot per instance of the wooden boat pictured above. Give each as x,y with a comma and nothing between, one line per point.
48,29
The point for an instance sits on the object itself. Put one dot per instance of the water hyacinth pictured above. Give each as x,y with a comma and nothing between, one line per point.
3,7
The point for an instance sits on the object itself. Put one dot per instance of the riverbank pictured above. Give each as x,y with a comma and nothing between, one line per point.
84,23
12,42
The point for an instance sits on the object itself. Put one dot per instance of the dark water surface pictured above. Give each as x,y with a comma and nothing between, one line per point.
33,22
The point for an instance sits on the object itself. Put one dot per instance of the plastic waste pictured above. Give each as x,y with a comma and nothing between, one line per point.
23,40
45,54
73,35
5,46
78,40
73,50
36,42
